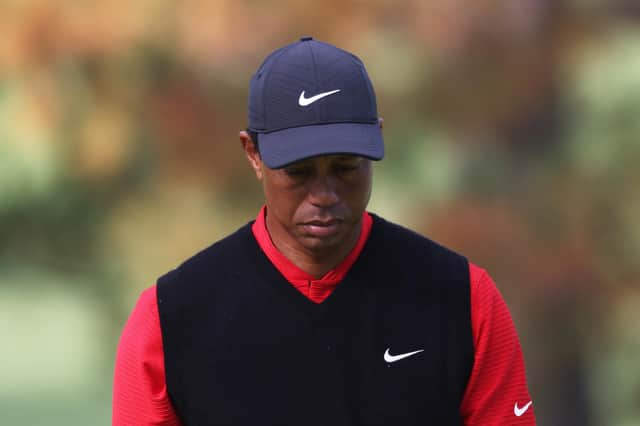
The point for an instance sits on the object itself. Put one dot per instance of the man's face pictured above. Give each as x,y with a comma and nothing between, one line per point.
316,205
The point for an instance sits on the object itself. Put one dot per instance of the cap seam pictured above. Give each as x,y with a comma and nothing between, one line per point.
268,81
315,77
317,123
366,79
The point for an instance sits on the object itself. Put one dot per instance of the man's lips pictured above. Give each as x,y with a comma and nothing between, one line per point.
323,222
322,227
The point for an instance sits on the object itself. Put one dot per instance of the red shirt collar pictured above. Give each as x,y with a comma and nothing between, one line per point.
315,289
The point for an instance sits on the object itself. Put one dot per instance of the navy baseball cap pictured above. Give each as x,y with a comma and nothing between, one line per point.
310,98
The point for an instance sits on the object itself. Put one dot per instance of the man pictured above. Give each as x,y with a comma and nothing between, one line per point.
318,312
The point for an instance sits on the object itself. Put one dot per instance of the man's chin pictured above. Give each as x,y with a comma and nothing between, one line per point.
317,244
326,240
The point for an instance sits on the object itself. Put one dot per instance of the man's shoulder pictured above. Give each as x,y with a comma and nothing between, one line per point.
414,260
222,253
398,237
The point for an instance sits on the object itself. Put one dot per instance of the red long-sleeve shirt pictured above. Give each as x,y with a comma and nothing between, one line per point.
496,393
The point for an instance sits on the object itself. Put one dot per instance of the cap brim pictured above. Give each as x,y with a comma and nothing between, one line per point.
286,146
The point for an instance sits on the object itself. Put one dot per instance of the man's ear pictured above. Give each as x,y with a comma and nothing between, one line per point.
251,152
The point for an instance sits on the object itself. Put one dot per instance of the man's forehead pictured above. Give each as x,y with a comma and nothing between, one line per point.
328,158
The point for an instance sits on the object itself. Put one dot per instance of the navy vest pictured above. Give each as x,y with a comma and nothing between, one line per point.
243,347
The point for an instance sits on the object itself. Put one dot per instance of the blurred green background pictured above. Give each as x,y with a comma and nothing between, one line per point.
512,131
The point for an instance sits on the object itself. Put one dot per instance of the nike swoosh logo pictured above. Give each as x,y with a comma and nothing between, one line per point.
393,358
302,101
520,411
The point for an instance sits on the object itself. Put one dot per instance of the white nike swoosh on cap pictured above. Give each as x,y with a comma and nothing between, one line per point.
393,358
302,101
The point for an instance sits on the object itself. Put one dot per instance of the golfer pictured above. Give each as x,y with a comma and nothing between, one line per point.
319,312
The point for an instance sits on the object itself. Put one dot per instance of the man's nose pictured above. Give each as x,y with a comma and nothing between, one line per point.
323,191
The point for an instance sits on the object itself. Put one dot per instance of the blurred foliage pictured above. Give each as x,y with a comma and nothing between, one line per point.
511,133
